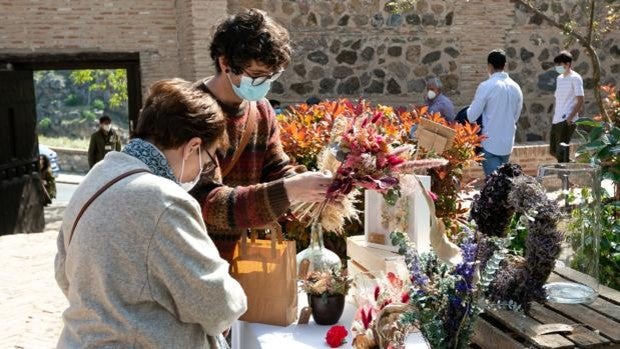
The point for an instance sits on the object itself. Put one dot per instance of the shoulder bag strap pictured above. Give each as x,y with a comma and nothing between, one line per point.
99,192
247,133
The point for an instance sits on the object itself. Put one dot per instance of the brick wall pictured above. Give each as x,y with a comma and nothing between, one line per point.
171,36
48,26
529,156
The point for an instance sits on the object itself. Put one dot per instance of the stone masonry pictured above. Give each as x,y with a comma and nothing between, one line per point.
343,48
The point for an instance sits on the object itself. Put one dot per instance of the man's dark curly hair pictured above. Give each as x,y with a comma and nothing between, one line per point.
251,35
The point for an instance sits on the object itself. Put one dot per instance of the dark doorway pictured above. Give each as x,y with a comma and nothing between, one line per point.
97,60
21,209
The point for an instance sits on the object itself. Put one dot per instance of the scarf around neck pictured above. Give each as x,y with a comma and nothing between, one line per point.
150,156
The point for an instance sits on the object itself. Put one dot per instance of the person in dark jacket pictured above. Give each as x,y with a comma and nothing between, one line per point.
103,141
47,179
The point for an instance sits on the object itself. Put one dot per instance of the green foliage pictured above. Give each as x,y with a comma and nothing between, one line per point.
112,80
517,230
400,6
493,265
88,115
45,123
73,100
601,145
581,230
98,104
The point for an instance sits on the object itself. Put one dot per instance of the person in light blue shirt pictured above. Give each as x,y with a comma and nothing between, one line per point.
499,99
437,101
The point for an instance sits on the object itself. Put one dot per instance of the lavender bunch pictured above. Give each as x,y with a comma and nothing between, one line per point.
443,297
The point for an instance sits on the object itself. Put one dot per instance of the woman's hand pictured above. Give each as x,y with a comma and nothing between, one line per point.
307,186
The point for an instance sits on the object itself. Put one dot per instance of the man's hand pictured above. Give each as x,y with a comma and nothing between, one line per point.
307,187
570,120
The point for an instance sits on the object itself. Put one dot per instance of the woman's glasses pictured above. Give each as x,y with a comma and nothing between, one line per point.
211,166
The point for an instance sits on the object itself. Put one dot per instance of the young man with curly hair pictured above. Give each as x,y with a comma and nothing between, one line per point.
255,182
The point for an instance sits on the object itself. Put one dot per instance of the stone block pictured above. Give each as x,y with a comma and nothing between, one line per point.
347,56
318,57
431,57
350,86
393,87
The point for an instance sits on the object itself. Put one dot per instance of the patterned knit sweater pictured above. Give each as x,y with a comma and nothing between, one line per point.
252,194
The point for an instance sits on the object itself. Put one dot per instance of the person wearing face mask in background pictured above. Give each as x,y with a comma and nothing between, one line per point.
437,101
255,183
103,141
499,99
142,272
568,103
276,105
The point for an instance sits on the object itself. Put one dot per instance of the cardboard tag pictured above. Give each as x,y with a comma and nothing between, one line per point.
304,316
304,267
376,238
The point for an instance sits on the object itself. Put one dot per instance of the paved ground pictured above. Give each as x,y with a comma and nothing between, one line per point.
31,303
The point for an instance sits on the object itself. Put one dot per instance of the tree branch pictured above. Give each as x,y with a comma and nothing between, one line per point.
591,26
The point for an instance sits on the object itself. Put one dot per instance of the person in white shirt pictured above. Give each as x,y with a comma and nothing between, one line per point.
568,103
499,99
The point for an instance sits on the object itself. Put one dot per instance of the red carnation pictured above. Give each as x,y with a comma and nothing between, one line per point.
336,336
404,298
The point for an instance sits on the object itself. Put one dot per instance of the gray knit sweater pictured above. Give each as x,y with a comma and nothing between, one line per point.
140,271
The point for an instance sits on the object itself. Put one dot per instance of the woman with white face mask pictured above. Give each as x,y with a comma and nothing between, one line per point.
134,258
437,101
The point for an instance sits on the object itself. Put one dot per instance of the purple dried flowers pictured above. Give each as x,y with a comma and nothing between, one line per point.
509,192
491,210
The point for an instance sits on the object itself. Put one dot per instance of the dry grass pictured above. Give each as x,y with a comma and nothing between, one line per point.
64,142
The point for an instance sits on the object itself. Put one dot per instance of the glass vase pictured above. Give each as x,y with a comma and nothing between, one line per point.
319,257
576,189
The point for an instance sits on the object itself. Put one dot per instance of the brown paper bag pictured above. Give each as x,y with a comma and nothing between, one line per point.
266,269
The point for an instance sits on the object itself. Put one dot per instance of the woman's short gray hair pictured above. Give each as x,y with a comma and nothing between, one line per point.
434,81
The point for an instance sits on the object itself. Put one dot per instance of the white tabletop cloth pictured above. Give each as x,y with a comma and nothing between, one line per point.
257,336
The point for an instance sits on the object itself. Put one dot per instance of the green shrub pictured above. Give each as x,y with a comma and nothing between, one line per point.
98,104
88,115
73,100
45,123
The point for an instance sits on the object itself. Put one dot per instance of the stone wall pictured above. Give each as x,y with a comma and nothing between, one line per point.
358,48
72,160
343,48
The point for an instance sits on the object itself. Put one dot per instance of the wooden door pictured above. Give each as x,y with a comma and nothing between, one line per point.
21,208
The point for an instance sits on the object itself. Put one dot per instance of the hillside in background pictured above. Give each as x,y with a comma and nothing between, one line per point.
70,102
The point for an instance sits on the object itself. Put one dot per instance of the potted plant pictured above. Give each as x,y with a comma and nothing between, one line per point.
326,292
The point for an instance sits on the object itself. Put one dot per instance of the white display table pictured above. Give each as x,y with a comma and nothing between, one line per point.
257,336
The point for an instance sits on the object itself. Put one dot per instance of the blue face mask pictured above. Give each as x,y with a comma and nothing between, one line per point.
560,69
247,91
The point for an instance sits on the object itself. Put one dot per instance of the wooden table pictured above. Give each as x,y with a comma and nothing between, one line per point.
595,325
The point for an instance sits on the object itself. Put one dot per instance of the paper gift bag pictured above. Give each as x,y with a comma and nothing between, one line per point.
266,270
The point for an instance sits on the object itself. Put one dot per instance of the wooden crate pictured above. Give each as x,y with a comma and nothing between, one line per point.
595,325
